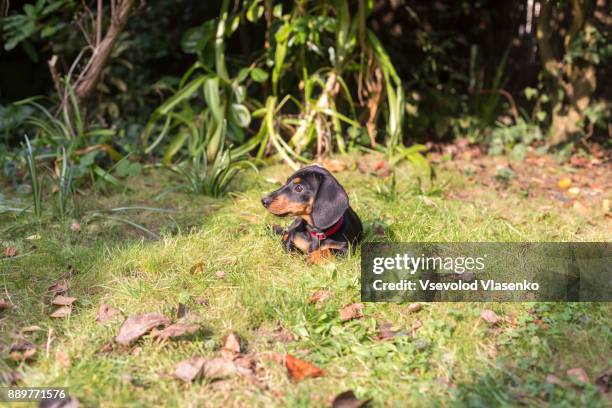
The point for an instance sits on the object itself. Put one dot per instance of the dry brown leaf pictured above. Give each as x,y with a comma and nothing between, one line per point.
26,355
414,307
4,305
31,329
385,332
280,335
231,346
137,326
219,368
319,297
177,330
10,252
107,347
189,370
554,380
416,325
300,369
62,359
490,317
181,310
578,374
62,311
350,312
347,399
197,268
106,313
604,381
61,300
334,165
58,287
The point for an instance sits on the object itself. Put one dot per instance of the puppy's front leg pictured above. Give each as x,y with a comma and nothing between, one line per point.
327,248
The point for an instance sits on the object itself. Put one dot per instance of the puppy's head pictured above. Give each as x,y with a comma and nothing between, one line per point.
311,192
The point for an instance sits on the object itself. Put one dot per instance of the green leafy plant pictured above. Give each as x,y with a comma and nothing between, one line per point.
34,179
211,179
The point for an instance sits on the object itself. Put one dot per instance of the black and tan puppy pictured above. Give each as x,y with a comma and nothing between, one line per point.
325,222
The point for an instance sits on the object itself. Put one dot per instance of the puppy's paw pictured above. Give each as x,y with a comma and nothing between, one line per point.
277,229
319,256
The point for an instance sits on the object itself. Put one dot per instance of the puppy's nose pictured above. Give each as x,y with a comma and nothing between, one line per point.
266,201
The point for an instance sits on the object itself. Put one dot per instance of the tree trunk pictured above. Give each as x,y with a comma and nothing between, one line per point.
570,87
102,52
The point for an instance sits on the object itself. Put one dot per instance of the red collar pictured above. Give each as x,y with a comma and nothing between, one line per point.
323,234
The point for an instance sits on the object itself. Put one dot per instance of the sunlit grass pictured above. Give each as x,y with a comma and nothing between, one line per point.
453,359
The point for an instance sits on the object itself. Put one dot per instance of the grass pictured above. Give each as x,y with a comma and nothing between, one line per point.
454,359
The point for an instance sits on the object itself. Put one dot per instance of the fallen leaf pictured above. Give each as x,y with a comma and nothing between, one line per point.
578,161
137,326
218,368
578,374
604,381
197,268
58,287
334,166
62,311
300,369
10,378
22,346
75,226
231,346
181,310
415,326
319,297
62,359
605,206
61,300
385,332
490,317
107,347
280,335
189,370
106,313
350,312
177,330
554,380
347,399
23,356
4,305
414,307
31,329
565,183
10,252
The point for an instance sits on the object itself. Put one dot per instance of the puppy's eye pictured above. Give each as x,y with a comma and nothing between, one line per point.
298,188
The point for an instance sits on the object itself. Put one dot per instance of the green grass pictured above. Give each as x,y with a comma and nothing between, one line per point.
454,359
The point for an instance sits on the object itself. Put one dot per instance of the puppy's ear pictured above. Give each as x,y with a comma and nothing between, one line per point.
330,203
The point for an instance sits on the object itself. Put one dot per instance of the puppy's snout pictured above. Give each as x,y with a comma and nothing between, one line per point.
266,201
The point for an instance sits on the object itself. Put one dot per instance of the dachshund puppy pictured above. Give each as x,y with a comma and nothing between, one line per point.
325,222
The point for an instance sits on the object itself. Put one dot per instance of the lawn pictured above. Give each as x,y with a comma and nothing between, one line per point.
217,259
